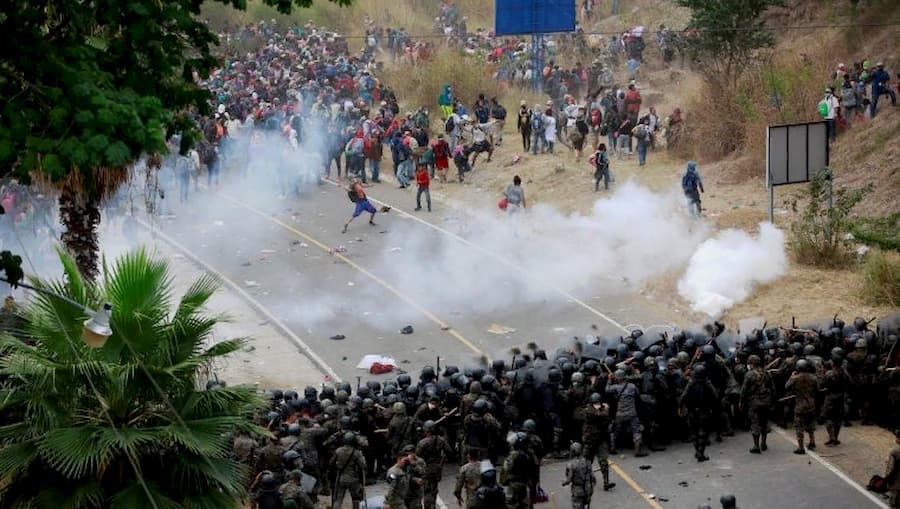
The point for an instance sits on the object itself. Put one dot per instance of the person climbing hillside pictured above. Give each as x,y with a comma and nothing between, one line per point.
446,100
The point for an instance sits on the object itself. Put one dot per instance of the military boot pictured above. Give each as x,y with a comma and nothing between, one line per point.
830,429
762,442
606,484
701,454
812,442
800,449
639,451
755,449
837,433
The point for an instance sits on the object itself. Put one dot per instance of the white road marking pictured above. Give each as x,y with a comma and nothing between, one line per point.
835,470
499,258
255,304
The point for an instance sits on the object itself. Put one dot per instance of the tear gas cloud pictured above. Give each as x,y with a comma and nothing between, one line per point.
630,237
724,269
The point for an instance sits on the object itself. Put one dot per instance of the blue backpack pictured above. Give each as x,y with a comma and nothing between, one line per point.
537,122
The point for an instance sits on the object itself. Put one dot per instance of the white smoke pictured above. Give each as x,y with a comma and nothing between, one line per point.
724,269
629,238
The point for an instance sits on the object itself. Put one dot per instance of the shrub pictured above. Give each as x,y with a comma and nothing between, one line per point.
882,232
819,237
881,278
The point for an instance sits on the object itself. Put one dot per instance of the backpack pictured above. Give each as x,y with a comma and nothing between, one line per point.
642,132
352,195
688,182
449,125
537,122
499,112
823,108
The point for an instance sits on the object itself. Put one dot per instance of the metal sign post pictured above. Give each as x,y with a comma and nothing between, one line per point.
794,153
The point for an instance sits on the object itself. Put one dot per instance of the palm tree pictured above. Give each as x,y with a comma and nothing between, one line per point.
126,425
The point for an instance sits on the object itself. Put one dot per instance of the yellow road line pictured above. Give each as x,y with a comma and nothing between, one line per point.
499,258
431,316
635,486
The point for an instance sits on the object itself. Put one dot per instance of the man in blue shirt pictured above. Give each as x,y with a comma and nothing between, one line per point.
880,79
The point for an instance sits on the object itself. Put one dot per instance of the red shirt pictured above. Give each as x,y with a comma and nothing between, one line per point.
422,178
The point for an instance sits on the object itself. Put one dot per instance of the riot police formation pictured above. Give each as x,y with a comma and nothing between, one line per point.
499,421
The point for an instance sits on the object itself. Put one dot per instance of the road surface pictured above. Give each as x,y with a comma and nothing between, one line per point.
289,257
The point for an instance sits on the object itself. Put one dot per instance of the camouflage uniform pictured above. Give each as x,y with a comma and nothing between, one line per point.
757,393
398,487
835,384
596,438
804,387
348,469
434,451
892,477
515,475
416,472
581,479
468,479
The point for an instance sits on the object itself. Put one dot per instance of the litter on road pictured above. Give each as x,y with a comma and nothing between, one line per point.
368,360
407,330
500,329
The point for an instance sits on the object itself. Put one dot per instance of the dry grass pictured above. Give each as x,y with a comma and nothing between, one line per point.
421,85
881,276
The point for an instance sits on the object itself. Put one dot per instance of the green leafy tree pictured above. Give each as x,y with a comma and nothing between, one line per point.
77,423
729,35
86,88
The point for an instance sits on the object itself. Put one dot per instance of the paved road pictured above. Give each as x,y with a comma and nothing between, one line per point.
394,274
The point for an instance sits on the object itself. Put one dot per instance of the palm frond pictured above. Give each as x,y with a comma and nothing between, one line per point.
223,473
197,295
88,493
220,401
226,347
75,452
134,495
16,459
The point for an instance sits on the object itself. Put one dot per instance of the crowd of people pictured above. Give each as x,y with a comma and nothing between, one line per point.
498,422
854,94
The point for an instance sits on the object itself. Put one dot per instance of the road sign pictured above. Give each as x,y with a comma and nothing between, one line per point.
517,17
794,154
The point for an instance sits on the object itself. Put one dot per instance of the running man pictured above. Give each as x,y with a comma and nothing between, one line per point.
358,196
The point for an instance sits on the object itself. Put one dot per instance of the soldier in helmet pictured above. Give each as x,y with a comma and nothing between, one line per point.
728,501
580,476
536,448
757,395
434,451
804,386
489,494
517,471
595,436
479,430
892,472
401,428
348,469
265,492
700,402
625,394
292,493
468,479
416,471
856,369
653,392
835,384
244,449
269,458
398,483
577,397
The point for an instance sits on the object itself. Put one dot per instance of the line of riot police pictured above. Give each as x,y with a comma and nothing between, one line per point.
585,401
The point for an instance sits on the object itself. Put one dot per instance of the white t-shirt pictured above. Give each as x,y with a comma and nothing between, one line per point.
832,103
